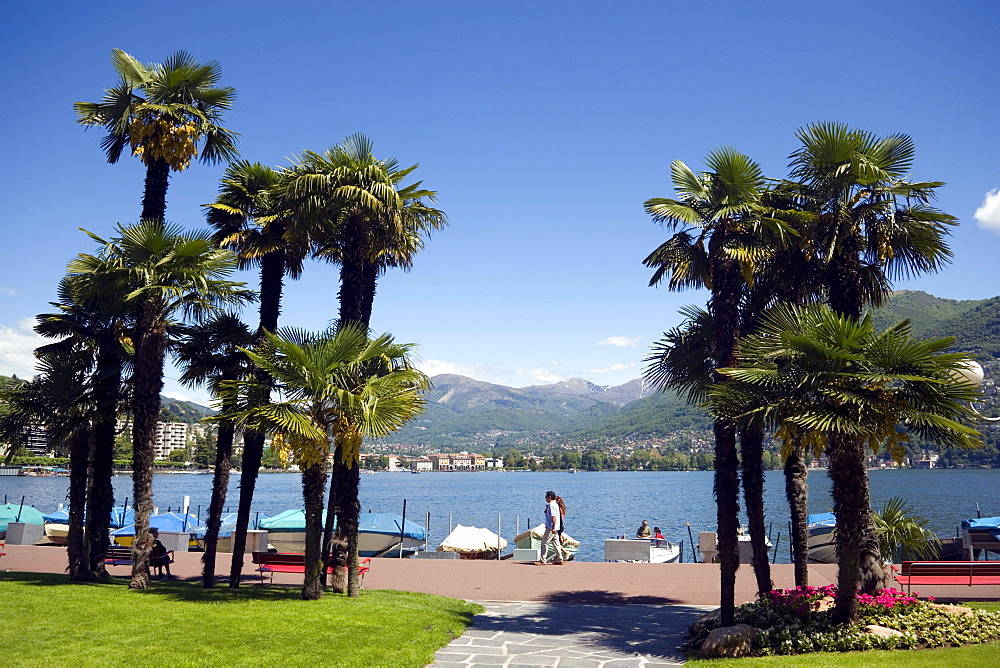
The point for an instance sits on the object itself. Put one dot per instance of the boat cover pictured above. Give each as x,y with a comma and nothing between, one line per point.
828,519
226,527
172,522
990,524
62,517
471,540
9,513
390,525
532,538
287,520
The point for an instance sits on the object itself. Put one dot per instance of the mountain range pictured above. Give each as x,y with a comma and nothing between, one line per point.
463,413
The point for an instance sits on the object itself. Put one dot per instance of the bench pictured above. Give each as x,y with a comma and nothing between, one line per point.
947,573
118,556
294,562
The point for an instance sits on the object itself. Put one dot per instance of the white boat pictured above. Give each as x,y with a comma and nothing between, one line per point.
473,543
746,548
57,533
822,547
651,550
378,533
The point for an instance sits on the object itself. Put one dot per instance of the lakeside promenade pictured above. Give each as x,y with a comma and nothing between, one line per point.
584,582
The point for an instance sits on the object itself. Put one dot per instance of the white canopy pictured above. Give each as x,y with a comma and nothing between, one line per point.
471,540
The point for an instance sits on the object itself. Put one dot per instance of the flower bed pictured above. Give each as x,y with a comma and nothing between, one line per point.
800,620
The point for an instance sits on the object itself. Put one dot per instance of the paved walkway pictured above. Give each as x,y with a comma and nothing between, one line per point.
563,634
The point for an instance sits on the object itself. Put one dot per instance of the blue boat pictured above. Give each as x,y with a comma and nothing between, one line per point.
378,533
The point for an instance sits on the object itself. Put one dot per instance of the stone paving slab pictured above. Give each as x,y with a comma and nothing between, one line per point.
567,635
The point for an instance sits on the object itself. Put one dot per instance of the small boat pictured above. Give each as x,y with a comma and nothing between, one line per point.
746,548
822,547
532,540
651,550
164,522
473,543
980,533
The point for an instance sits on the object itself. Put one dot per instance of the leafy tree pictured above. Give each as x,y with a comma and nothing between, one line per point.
162,112
178,456
164,273
341,384
722,229
251,217
814,375
872,225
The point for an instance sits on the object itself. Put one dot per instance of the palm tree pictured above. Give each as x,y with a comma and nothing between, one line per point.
904,535
92,317
720,226
340,385
872,225
251,218
356,213
167,273
212,352
815,375
162,112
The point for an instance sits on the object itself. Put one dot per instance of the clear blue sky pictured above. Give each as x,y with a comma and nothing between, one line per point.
543,126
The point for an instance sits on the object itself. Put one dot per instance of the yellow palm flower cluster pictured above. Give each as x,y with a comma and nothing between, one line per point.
162,137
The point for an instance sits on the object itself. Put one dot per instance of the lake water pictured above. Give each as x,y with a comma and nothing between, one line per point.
600,504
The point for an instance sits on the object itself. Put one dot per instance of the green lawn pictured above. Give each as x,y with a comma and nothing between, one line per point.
973,656
49,622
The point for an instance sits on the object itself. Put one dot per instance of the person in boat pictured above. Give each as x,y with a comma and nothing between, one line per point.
553,529
657,535
159,557
643,531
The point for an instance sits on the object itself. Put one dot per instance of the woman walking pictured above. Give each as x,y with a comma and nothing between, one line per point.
555,508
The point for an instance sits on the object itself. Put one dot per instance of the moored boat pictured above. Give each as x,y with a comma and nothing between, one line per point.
473,543
822,546
379,534
651,550
532,540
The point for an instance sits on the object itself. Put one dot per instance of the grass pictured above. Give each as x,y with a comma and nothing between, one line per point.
180,623
972,656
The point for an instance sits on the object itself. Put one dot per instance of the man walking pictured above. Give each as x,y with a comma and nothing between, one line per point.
553,530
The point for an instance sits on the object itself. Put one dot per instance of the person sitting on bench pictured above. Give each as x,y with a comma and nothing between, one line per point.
160,557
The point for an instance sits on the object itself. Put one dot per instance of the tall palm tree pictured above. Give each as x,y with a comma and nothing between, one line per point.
162,112
58,400
816,375
92,317
251,217
720,226
357,214
212,353
340,385
167,273
872,225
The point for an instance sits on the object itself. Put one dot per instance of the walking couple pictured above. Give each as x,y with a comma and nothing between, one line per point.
555,513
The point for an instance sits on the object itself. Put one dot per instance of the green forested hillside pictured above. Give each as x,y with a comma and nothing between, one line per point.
975,323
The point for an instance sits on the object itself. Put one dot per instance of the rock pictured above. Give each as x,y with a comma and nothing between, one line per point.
729,642
953,609
707,618
824,604
875,630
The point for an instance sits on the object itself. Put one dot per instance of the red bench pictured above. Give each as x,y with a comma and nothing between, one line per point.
294,562
948,573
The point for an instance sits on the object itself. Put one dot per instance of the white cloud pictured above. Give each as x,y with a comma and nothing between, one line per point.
988,215
540,375
10,292
17,347
620,341
615,367
438,367
180,396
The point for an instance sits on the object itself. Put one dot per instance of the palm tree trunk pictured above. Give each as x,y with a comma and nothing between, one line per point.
752,449
797,494
220,486
724,308
147,384
272,272
332,513
154,196
101,500
76,545
313,484
351,511
852,506
253,453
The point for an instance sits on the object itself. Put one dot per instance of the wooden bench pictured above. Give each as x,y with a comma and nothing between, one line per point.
948,573
118,556
294,562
